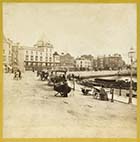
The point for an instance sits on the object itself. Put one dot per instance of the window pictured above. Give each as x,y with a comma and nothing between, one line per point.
36,58
26,51
46,58
31,58
50,59
40,58
27,58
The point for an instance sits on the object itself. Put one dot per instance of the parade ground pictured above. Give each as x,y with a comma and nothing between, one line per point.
32,111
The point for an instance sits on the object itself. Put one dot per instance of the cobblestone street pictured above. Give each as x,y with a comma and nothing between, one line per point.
32,110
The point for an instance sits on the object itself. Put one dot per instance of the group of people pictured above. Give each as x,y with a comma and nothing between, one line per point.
61,85
100,94
72,76
59,81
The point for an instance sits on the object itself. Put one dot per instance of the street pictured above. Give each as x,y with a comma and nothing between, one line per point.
32,110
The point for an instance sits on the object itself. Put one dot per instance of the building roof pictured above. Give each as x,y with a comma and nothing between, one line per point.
31,48
82,58
55,53
43,44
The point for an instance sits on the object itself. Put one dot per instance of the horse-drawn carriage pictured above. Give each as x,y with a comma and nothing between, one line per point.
56,76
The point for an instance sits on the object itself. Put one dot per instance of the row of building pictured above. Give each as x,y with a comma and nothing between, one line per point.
42,55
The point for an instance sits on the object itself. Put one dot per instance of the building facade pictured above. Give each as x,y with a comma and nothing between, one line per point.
7,51
15,50
56,60
110,62
7,54
83,64
40,56
67,61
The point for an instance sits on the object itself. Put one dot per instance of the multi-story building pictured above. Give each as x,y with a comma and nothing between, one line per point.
15,48
7,54
89,57
100,61
67,61
56,60
33,57
39,56
114,62
20,59
110,62
83,64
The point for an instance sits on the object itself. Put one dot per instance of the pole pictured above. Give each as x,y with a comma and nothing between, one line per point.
130,93
112,94
73,84
120,91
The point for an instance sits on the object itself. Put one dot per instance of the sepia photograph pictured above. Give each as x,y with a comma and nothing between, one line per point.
69,70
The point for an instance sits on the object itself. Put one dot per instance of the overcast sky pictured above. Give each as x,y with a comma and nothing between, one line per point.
97,29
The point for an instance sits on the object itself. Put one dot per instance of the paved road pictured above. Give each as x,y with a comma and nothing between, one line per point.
31,110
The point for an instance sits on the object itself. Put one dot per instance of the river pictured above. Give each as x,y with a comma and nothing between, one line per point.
120,78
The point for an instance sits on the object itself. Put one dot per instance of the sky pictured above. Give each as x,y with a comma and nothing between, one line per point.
96,29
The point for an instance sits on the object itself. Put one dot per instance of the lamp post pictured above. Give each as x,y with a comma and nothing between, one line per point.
131,55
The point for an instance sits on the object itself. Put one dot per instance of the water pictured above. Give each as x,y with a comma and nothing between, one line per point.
120,78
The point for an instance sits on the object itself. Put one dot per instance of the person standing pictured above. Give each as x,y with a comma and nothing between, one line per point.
103,94
19,73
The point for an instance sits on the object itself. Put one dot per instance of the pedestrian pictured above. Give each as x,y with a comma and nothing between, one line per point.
33,69
19,73
103,94
112,94
63,77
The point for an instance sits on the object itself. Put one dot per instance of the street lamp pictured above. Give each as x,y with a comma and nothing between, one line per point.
131,55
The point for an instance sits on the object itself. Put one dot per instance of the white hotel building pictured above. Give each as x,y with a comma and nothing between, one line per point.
40,56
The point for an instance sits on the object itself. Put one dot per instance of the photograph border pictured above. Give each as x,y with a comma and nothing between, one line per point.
137,2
